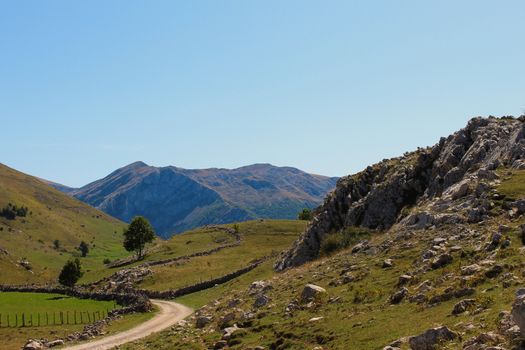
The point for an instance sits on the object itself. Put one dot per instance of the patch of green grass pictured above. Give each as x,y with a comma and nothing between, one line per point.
512,183
259,239
12,303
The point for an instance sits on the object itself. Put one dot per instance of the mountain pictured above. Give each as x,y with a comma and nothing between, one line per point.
176,199
27,249
428,179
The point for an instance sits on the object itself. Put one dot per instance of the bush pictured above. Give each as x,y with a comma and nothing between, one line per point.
305,214
71,273
84,248
11,211
342,239
106,261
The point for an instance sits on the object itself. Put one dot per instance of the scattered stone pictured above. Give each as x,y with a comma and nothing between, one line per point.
33,345
470,269
261,301
315,319
387,263
312,292
54,343
494,271
203,321
220,344
431,338
442,260
259,287
398,296
228,332
404,279
463,306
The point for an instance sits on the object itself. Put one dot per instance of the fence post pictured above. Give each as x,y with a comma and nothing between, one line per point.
67,317
47,319
23,319
39,319
81,317
54,319
31,319
61,318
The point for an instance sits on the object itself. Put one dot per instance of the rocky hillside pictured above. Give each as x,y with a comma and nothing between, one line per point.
421,188
433,260
176,199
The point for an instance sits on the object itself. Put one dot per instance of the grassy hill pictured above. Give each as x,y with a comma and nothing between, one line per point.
52,215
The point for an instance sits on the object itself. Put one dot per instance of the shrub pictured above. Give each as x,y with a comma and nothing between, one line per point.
305,214
84,248
343,239
11,211
106,261
71,273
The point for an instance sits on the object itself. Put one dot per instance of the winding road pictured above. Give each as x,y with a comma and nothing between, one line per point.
169,314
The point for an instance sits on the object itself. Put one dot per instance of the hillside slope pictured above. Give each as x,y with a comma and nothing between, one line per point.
176,199
52,216
428,180
420,252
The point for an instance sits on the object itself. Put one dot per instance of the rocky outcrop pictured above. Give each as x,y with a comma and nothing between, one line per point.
431,338
446,182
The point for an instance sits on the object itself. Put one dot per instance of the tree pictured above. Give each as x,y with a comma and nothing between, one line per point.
70,274
305,214
56,243
138,233
84,248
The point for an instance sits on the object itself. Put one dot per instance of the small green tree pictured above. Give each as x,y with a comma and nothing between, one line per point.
56,244
138,233
70,274
305,214
84,248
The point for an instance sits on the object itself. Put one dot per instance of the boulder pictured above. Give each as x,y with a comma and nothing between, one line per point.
470,269
228,332
54,343
430,339
312,292
33,345
398,296
387,263
442,260
203,321
494,271
404,279
261,301
518,310
463,306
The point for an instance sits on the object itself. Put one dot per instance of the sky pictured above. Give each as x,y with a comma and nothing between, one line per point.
325,86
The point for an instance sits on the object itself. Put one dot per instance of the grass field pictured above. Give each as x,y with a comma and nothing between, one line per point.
34,304
259,238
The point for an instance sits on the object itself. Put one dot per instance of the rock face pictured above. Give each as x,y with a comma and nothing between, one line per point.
176,199
433,178
518,311
431,338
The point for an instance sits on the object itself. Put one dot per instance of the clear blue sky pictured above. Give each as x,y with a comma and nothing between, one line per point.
325,86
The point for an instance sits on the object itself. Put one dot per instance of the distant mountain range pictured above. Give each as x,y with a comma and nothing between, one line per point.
176,199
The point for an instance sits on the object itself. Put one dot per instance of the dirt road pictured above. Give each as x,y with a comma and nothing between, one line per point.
169,314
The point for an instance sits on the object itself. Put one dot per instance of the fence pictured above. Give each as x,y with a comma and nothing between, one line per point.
56,318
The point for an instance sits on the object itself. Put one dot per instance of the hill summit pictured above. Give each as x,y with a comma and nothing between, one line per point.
429,180
176,199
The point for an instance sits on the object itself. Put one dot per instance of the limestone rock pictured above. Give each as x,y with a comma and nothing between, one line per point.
431,338
311,292
442,260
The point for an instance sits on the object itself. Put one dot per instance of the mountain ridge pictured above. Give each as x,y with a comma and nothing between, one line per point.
175,199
